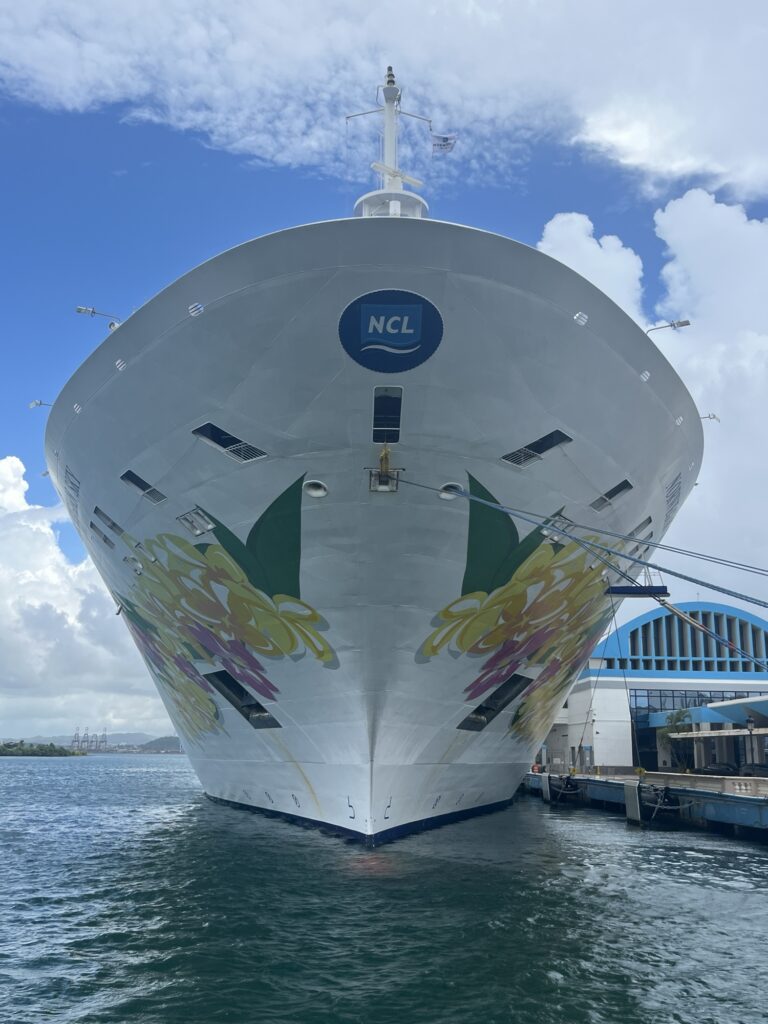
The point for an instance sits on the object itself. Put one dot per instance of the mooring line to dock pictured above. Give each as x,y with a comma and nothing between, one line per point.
599,552
564,527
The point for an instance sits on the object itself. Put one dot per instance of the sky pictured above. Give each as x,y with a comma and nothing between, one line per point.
140,139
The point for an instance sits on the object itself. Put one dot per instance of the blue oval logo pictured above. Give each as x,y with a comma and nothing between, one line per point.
390,331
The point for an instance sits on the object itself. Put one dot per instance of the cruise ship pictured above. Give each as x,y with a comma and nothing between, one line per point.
293,469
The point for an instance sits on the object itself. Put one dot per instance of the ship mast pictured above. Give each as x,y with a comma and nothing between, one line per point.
391,102
391,200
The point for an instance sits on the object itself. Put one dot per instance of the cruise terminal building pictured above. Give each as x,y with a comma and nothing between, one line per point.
656,664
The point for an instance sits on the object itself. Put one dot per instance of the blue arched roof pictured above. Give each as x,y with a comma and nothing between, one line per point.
659,643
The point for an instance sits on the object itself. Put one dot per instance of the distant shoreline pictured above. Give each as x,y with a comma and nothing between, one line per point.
21,749
49,748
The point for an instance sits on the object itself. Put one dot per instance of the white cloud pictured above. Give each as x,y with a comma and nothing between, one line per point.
714,276
616,269
675,92
66,659
13,486
718,263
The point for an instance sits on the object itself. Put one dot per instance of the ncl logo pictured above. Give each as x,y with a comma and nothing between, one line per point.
395,329
390,330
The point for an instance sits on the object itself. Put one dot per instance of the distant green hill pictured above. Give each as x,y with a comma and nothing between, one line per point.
163,745
18,748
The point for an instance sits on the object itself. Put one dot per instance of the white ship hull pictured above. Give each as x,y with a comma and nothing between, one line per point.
367,627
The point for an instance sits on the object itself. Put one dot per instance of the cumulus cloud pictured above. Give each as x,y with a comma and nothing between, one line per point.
66,659
272,81
616,269
13,486
714,276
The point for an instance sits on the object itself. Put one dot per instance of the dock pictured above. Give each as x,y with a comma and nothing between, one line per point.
734,805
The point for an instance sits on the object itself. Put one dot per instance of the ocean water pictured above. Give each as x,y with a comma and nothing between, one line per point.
126,896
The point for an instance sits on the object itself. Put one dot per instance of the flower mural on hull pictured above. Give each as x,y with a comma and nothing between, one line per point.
533,604
225,605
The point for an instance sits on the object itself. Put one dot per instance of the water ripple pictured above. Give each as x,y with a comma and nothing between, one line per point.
129,897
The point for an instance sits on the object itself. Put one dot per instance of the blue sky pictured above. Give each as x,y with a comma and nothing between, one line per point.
138,141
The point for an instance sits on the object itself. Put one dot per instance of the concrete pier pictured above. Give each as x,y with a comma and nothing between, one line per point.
732,804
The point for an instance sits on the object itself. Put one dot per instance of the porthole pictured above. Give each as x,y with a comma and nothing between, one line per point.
315,488
450,491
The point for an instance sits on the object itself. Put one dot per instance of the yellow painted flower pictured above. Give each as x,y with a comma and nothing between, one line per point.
196,709
452,619
536,564
196,604
549,614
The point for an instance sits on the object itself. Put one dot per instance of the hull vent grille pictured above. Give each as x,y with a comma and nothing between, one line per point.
605,499
108,521
150,492
534,450
100,533
196,521
245,452
640,526
640,550
242,700
71,494
228,443
672,498
71,484
493,705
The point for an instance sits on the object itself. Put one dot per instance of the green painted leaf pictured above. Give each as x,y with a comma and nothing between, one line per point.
491,541
515,558
271,556
275,541
494,549
131,612
235,548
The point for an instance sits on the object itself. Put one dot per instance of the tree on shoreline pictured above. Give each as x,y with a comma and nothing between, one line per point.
18,748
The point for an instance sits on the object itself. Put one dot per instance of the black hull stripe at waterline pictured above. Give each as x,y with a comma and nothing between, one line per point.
386,835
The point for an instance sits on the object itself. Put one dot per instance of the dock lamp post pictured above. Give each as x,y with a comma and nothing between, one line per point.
750,724
674,324
91,311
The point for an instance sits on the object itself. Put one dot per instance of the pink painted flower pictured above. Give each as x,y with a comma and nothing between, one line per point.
236,659
507,660
185,665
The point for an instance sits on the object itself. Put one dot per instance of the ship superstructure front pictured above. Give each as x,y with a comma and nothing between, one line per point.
254,460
